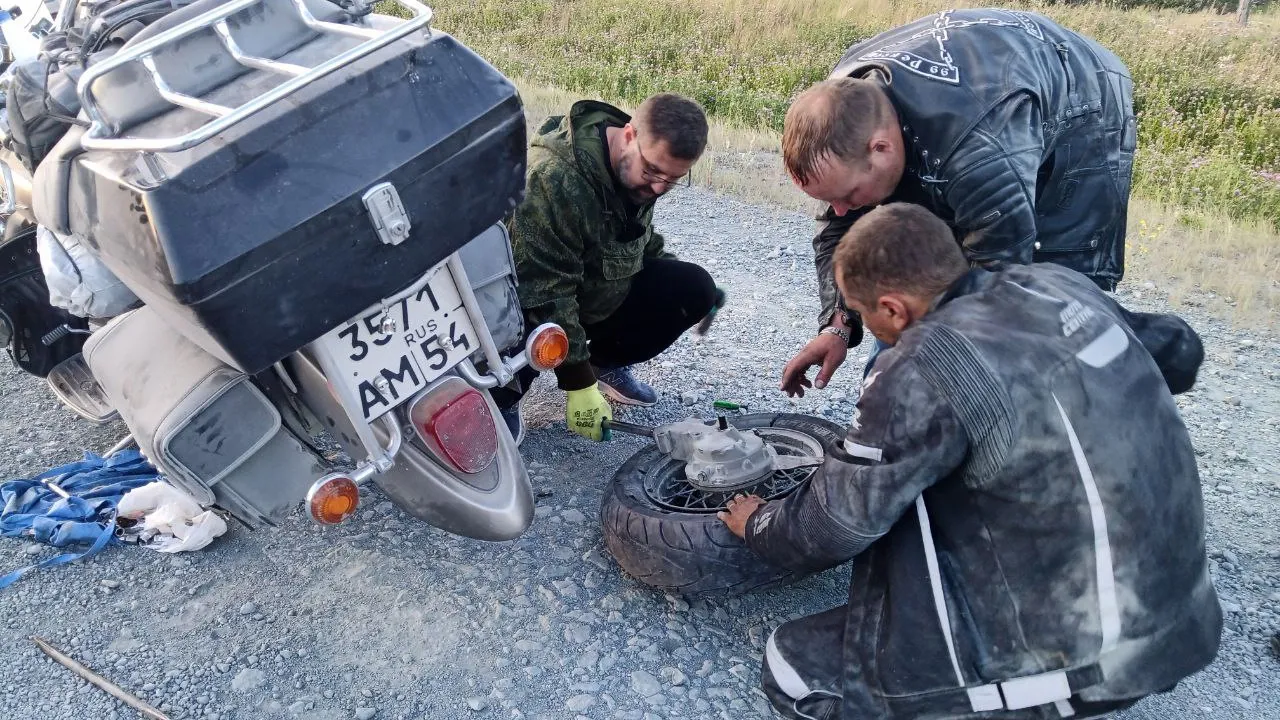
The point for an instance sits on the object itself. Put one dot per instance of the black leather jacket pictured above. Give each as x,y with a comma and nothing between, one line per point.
1019,133
1018,460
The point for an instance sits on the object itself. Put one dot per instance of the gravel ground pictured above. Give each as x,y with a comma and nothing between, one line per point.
386,617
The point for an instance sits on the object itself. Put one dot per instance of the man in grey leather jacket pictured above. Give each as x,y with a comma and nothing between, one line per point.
1017,490
1017,132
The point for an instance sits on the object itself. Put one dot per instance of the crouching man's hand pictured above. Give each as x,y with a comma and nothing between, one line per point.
827,351
585,409
739,512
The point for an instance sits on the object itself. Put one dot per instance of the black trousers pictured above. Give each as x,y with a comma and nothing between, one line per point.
803,675
667,298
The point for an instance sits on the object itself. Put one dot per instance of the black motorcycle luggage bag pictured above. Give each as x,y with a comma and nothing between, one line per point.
257,241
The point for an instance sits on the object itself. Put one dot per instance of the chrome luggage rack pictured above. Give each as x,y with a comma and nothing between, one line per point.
102,136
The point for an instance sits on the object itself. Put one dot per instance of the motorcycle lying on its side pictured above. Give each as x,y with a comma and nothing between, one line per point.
245,226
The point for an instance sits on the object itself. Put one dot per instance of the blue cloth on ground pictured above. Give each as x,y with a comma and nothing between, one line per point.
31,509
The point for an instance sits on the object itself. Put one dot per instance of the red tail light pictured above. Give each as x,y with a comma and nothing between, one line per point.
454,421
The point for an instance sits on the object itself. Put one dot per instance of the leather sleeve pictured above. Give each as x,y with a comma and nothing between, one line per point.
991,185
1172,343
904,438
830,228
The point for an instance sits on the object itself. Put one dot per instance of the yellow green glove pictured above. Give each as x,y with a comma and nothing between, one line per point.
584,411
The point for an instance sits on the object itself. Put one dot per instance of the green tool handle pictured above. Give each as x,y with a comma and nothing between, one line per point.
705,324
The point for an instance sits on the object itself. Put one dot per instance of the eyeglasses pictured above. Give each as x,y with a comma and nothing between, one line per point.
651,174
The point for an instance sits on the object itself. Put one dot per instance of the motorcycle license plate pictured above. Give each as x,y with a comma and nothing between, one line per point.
385,356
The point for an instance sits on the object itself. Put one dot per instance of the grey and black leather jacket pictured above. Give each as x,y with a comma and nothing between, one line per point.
1020,499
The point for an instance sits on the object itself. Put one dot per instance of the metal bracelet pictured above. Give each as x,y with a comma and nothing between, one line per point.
833,330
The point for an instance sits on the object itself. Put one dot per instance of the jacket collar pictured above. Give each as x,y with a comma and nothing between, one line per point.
974,281
577,138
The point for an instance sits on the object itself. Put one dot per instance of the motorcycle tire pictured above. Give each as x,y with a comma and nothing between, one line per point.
692,552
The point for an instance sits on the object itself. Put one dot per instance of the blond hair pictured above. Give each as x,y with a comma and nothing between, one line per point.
835,118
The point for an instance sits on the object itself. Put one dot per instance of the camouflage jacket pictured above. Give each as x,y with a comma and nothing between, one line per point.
576,238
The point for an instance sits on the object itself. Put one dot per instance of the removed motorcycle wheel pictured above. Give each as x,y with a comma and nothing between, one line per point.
663,531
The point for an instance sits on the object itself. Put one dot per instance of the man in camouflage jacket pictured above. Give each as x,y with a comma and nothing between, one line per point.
1017,491
588,258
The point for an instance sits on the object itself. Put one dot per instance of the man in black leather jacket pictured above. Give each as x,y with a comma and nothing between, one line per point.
1017,491
1017,132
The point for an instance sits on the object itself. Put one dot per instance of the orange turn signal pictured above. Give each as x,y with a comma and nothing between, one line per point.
548,347
332,499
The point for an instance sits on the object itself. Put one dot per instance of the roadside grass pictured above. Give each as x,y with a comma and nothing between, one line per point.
1207,92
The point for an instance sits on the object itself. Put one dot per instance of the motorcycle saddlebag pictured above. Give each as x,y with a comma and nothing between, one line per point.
258,241
206,426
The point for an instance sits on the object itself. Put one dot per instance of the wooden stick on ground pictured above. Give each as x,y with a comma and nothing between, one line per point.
100,681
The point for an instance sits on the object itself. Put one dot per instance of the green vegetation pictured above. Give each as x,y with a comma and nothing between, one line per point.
1208,94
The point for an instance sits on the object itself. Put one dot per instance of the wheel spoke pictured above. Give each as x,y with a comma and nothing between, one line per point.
667,485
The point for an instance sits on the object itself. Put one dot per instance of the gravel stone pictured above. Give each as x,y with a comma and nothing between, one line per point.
577,634
674,676
644,684
248,680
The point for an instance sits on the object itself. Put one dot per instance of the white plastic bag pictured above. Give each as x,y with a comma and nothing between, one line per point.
171,519
22,44
78,282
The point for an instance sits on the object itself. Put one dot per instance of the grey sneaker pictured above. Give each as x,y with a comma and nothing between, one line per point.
621,386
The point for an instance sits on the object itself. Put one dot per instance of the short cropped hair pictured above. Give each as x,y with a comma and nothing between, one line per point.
676,120
835,118
898,248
